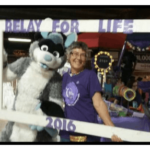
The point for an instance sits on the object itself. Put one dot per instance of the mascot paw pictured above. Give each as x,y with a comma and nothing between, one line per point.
38,128
52,132
38,106
33,127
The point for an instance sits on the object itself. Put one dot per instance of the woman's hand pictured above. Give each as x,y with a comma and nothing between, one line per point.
115,138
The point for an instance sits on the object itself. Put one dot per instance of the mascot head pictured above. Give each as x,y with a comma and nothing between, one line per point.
48,51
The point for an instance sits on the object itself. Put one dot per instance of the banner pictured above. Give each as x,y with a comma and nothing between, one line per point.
143,62
68,26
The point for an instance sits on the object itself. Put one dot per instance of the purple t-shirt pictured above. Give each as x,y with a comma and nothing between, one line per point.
77,93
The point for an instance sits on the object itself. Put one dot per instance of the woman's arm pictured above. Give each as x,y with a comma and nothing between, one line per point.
102,111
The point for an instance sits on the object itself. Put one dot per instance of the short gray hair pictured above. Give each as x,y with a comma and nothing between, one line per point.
77,44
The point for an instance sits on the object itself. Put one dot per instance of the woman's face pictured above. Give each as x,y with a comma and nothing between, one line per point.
77,59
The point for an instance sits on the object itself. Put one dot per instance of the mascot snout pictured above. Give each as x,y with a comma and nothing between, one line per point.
48,58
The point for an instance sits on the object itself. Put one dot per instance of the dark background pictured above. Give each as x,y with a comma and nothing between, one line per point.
75,12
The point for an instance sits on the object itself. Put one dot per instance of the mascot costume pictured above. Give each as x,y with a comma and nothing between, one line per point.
39,86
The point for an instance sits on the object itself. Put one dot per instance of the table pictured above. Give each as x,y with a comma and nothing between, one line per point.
134,123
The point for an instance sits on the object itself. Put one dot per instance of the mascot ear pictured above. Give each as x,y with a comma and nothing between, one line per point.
64,36
44,34
70,39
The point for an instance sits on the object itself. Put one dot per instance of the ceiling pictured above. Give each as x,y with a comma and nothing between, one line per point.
65,12
75,12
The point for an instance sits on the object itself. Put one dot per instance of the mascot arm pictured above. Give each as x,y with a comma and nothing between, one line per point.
14,70
8,75
55,110
52,109
55,94
52,97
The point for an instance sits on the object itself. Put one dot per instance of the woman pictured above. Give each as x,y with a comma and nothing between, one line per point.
81,93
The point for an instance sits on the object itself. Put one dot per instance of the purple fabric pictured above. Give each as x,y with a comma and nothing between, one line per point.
141,44
144,85
134,123
141,40
77,92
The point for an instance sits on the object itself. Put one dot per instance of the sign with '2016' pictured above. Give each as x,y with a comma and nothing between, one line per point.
61,124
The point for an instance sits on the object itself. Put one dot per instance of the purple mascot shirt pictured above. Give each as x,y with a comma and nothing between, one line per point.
78,91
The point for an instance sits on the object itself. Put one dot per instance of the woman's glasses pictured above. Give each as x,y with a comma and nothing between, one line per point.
75,54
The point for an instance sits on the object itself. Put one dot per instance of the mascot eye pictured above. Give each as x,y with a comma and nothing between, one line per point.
56,54
44,48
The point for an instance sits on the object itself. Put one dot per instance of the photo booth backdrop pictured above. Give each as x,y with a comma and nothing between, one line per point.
26,120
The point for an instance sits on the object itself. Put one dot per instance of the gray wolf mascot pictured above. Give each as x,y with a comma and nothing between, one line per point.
39,86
